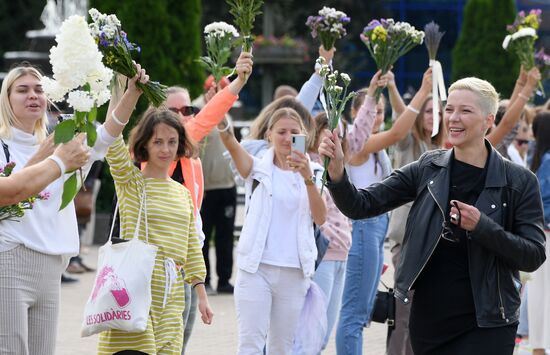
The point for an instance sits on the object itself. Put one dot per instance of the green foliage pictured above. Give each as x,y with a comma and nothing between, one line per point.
245,12
169,34
478,51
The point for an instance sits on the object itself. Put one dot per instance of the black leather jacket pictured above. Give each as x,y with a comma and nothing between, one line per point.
509,236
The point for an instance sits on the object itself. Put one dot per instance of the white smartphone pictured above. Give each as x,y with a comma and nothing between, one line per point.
299,142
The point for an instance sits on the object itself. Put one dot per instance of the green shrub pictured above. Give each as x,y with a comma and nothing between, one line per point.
478,51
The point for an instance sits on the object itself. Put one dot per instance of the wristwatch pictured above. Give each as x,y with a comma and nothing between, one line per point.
310,180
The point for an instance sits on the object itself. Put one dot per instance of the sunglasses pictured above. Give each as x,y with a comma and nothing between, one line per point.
185,110
522,141
447,232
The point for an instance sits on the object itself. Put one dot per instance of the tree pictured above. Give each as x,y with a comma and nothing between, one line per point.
478,51
169,34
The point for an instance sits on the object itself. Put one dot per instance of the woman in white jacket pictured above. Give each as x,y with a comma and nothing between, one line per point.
276,251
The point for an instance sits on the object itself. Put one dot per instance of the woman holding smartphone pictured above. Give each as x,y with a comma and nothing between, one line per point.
276,251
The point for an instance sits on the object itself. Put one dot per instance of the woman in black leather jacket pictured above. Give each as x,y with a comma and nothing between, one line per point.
475,222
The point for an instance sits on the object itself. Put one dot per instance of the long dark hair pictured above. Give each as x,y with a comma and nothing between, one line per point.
541,131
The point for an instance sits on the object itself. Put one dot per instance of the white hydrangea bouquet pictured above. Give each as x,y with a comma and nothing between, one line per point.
328,25
113,42
387,41
220,38
334,98
78,72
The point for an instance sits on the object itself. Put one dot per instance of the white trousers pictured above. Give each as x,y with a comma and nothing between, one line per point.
268,305
539,304
29,301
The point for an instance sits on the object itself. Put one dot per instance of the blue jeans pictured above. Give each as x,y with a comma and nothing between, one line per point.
329,276
365,261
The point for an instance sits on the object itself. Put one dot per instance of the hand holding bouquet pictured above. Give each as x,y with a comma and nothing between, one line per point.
388,40
113,42
77,70
17,210
432,39
328,25
334,99
522,37
220,38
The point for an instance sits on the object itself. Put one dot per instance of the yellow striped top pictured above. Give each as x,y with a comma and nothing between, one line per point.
171,227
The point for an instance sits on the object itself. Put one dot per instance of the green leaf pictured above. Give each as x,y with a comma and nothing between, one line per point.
92,115
91,134
80,118
86,87
70,189
64,131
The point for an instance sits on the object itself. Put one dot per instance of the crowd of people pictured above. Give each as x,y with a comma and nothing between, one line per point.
465,208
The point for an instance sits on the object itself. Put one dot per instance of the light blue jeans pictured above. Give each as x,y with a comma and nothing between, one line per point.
365,261
329,276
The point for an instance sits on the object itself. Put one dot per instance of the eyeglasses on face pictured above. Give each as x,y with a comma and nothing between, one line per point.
522,141
447,232
185,110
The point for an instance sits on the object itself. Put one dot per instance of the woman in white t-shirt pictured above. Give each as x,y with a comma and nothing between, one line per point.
34,250
276,251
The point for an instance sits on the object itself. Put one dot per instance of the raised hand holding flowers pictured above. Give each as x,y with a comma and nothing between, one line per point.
328,25
388,40
522,37
79,72
432,39
334,98
220,38
245,12
116,48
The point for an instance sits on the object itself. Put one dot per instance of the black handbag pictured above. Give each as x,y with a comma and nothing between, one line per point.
383,310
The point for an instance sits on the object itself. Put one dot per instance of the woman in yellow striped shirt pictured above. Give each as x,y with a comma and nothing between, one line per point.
158,139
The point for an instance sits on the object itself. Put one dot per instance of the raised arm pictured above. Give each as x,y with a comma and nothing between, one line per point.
214,111
401,126
243,161
310,90
396,101
515,107
119,117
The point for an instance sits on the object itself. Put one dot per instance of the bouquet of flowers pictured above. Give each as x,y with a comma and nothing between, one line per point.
334,99
219,38
79,72
328,25
432,39
12,212
388,40
245,12
116,48
522,37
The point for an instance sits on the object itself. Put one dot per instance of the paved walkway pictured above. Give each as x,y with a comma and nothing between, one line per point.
220,338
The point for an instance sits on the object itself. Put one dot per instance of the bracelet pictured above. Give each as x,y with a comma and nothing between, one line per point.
412,109
523,96
227,126
59,163
117,121
522,83
198,283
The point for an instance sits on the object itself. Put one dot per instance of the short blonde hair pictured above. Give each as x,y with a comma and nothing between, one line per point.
488,96
7,117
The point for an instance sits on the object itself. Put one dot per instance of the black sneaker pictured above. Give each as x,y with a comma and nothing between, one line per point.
67,279
225,288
